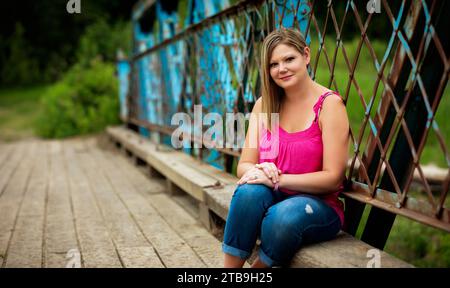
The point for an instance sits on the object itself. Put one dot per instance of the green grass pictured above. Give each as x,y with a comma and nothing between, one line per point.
19,109
418,244
414,242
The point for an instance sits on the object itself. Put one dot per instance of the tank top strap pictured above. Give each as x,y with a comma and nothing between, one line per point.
318,105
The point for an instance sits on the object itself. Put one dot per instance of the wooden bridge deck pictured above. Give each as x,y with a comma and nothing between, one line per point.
77,195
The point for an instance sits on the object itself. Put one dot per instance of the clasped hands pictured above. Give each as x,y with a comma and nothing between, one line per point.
264,173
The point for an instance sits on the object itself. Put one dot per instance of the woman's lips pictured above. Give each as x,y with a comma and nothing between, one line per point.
285,78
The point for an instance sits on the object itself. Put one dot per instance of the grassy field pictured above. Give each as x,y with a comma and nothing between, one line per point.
19,109
418,244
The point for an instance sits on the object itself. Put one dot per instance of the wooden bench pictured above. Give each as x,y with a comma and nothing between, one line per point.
213,189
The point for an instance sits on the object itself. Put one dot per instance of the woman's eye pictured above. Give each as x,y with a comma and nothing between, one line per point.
290,59
273,65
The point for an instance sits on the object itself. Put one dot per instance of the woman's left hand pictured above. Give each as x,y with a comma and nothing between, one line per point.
271,171
258,178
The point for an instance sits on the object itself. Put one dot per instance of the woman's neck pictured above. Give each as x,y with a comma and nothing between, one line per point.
300,92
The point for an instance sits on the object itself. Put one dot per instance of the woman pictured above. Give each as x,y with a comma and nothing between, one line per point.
288,198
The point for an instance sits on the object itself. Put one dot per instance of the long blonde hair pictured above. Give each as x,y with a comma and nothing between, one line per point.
272,94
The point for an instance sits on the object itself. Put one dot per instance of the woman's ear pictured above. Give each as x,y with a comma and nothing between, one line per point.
307,55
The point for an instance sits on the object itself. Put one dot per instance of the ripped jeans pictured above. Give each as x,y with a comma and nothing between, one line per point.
282,222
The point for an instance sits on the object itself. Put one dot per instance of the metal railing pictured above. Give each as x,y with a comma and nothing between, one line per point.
181,59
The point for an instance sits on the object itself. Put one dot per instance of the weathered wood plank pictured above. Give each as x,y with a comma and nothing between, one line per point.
167,161
218,200
186,201
206,246
25,248
140,257
97,248
123,230
223,177
6,150
12,198
191,230
141,183
344,252
172,249
143,148
8,167
60,230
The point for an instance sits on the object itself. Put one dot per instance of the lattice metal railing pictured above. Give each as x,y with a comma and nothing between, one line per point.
392,84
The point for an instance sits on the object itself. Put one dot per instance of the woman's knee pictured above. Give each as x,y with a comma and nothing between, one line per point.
252,194
280,226
285,221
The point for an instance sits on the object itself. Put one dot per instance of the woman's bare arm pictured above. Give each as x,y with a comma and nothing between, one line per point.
249,154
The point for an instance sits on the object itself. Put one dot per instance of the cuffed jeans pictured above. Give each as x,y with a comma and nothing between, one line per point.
282,222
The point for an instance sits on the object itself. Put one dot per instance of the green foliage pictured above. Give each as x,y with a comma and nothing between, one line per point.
86,98
19,67
103,40
414,242
84,101
51,35
19,109
21,64
55,69
421,245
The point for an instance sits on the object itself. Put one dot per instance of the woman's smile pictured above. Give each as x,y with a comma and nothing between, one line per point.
286,78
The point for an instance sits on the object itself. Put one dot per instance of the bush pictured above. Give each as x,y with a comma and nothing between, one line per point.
84,101
103,40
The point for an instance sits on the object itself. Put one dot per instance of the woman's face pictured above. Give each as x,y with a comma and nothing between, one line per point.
287,66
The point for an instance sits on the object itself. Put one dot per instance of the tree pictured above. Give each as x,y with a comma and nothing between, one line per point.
19,67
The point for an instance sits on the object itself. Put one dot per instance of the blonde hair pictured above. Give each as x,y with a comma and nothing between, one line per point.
272,94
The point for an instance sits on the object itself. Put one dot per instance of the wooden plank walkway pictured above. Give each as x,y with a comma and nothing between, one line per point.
70,200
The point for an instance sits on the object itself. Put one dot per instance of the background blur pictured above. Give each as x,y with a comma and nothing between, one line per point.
46,53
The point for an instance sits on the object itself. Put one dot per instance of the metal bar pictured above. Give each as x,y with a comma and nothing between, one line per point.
230,12
417,210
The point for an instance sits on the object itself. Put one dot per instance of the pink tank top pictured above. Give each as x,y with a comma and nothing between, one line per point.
300,152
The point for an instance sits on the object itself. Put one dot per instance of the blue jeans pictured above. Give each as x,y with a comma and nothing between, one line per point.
282,222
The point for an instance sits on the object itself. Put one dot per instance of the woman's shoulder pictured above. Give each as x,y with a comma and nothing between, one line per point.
328,96
333,103
257,108
332,99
